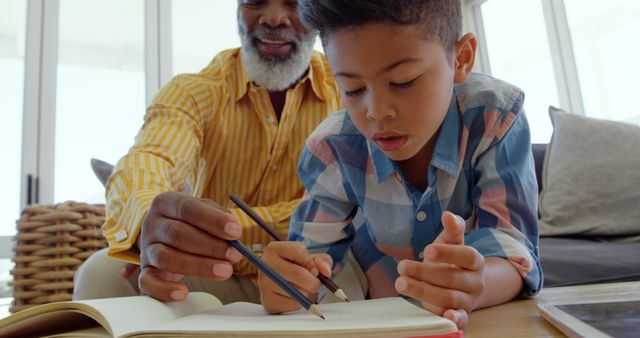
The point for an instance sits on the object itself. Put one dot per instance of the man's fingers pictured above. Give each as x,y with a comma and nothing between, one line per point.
168,259
129,269
453,229
210,219
186,238
153,283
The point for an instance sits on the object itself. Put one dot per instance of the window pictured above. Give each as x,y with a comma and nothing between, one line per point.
604,35
12,39
519,53
574,54
201,29
100,90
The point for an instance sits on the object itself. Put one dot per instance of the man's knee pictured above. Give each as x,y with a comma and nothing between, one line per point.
99,277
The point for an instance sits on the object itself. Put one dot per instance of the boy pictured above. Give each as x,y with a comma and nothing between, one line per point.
427,178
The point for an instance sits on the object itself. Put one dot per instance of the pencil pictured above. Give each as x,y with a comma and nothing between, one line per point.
333,287
277,278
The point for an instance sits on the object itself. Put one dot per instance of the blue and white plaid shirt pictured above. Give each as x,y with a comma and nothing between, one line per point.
482,169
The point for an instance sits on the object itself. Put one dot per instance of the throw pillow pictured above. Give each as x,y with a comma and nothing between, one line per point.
102,170
591,178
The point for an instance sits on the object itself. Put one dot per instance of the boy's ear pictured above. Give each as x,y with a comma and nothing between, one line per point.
465,54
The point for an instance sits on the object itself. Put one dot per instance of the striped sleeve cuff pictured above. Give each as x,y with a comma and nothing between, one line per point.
122,232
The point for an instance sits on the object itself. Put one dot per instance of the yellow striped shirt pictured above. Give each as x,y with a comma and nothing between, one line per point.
217,133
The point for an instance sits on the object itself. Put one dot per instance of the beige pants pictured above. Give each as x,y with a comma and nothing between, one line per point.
99,277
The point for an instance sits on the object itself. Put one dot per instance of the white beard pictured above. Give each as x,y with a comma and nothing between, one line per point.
276,75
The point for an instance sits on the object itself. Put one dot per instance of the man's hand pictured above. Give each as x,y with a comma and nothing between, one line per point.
450,279
293,262
184,235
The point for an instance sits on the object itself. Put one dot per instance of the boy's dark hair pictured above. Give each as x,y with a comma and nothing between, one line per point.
441,19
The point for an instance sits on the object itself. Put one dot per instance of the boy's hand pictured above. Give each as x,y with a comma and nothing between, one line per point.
449,280
293,262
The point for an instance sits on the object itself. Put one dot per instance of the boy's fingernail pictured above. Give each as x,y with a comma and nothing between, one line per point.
233,229
327,266
401,285
222,270
455,317
314,271
178,295
460,220
430,253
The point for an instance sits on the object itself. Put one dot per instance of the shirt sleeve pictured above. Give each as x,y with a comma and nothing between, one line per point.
163,158
505,201
322,221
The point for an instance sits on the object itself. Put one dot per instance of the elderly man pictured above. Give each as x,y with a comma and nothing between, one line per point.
237,127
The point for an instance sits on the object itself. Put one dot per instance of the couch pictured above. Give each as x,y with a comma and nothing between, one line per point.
597,253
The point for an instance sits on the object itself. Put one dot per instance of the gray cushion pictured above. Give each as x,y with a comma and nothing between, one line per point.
102,170
591,178
573,261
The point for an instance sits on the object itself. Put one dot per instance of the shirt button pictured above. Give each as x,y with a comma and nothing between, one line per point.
421,216
120,236
271,120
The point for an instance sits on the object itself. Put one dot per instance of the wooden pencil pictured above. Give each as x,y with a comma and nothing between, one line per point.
333,287
277,278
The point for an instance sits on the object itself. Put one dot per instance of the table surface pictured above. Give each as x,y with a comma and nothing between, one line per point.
521,319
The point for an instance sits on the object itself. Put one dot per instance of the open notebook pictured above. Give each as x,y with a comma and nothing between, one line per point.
203,315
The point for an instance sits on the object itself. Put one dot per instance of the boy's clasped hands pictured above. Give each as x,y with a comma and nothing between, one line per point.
448,281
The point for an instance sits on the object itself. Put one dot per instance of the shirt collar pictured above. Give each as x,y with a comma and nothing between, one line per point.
445,154
316,75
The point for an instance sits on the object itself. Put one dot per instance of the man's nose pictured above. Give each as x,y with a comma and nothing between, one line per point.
276,14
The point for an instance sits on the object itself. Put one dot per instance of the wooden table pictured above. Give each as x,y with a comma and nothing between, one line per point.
521,319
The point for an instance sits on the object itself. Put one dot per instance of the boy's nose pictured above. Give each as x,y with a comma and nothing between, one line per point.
379,109
276,14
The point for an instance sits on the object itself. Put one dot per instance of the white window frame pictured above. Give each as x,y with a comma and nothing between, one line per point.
40,83
158,46
38,116
564,61
560,45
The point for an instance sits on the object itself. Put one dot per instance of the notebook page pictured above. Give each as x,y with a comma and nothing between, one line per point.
381,317
126,314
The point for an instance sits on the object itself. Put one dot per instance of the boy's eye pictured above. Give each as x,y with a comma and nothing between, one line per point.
404,85
353,92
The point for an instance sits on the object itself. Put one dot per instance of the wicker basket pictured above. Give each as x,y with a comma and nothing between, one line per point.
52,242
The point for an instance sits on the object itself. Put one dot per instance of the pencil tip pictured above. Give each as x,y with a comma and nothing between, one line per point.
321,316
314,309
340,294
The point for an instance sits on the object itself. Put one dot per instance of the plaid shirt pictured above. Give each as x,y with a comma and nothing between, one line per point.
481,169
